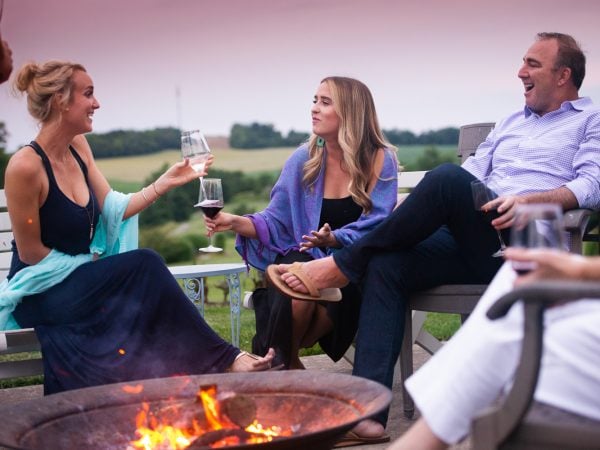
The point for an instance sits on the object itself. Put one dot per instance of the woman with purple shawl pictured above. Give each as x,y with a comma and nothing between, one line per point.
331,191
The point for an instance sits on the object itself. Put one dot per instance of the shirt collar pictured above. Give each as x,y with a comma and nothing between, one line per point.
580,104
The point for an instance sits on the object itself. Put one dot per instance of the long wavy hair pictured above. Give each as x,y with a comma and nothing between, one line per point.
359,137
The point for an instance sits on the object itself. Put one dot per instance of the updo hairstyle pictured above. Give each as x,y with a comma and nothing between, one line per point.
42,82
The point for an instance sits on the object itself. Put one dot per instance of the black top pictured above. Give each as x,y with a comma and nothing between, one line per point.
338,212
65,226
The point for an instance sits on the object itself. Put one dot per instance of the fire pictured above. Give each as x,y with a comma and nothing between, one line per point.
213,428
156,435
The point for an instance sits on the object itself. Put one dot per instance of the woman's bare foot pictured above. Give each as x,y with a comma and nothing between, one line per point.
247,362
323,273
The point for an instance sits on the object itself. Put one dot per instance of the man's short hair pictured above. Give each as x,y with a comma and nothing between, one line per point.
569,55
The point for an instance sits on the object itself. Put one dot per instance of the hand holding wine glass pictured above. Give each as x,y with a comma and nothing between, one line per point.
484,192
536,226
211,202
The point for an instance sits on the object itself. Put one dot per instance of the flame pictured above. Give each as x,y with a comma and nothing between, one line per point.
160,433
208,397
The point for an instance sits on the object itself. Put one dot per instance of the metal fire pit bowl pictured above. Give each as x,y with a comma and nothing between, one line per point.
324,405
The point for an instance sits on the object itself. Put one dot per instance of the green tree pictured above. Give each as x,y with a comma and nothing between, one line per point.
255,135
444,136
176,205
3,156
400,137
295,138
131,142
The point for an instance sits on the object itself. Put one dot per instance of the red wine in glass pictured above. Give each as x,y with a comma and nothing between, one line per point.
211,208
490,214
523,267
483,194
211,202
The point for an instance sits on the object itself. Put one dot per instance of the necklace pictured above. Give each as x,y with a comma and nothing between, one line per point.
91,218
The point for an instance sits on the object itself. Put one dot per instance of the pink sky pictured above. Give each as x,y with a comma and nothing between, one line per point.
429,63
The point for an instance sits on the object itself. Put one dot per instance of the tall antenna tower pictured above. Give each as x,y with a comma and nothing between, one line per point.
178,107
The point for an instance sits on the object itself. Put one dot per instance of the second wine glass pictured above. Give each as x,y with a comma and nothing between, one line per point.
484,192
210,201
537,225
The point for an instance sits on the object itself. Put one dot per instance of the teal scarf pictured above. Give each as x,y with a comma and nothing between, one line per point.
113,235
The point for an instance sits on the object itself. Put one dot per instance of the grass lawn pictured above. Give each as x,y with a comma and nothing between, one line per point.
442,326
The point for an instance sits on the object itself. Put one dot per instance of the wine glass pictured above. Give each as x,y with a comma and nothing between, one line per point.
211,202
484,192
537,225
195,148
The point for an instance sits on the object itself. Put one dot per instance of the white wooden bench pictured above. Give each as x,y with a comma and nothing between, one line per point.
25,340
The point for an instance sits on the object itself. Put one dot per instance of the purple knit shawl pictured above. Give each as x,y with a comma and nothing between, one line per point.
294,211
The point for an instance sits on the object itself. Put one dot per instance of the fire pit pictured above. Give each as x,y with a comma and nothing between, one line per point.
319,407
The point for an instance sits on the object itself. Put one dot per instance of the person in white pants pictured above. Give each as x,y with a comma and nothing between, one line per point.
479,362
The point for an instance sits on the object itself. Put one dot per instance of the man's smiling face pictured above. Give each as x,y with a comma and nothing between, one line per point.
540,77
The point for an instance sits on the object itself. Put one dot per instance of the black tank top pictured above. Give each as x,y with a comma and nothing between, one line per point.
338,212
65,226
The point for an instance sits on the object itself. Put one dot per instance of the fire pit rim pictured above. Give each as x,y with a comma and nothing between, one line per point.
366,396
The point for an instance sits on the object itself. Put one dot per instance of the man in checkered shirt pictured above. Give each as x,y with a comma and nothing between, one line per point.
549,151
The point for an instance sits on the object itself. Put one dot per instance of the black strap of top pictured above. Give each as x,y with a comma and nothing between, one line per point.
38,149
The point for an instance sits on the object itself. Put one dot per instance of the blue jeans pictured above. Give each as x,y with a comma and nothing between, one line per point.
434,237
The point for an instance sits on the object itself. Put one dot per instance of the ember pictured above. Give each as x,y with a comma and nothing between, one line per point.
222,420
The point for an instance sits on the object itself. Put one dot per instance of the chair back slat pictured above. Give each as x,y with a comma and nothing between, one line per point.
470,137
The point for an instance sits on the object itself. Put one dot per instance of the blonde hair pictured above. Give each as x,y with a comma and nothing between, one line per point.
359,137
42,82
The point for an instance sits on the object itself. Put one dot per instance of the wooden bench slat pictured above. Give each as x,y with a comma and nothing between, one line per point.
16,341
23,368
5,258
5,222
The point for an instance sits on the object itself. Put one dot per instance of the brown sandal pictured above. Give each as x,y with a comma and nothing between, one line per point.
326,294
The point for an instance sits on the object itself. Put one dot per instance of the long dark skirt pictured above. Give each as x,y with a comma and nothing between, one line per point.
120,318
273,312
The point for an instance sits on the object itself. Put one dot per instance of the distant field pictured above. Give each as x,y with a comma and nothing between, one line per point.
135,169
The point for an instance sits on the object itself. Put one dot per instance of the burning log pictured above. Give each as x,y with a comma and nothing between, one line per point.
211,437
240,409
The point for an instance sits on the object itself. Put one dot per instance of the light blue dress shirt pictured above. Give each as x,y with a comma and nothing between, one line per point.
528,153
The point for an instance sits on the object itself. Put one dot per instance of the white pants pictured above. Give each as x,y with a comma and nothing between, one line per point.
479,362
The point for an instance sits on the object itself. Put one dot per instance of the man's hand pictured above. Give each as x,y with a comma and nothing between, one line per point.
506,207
